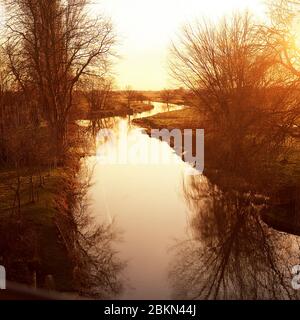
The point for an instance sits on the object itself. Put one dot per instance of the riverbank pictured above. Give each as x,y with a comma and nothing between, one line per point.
119,110
31,248
189,118
48,238
281,213
186,118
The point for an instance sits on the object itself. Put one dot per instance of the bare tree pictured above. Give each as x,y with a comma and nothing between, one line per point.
141,97
5,80
281,34
166,96
98,95
129,96
246,99
51,46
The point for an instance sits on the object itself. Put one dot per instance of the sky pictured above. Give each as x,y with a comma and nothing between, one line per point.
145,29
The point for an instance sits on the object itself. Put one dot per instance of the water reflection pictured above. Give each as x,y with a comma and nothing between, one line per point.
97,269
143,198
94,126
230,253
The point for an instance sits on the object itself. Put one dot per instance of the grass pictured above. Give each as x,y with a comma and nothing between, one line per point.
283,174
39,218
189,118
186,118
119,108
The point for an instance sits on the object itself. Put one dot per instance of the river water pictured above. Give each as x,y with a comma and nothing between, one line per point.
144,199
181,237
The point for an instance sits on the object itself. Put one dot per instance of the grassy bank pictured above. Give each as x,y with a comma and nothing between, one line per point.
279,182
48,236
118,109
120,112
181,119
189,118
30,240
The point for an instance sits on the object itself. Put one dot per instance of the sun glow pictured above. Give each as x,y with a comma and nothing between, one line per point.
296,34
145,29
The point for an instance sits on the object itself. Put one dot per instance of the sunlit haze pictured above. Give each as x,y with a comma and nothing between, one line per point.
145,29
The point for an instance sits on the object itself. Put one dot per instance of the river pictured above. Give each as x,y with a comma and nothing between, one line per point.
175,228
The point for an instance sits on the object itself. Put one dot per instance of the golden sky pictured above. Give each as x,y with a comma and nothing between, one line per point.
145,29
